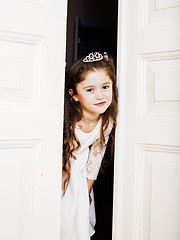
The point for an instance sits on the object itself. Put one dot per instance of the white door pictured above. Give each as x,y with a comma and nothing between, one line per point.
32,64
147,160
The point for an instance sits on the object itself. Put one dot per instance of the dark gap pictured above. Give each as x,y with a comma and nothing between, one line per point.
92,27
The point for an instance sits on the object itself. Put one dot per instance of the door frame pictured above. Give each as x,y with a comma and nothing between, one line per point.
119,153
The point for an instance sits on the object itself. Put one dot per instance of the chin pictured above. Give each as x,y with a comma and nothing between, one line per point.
103,111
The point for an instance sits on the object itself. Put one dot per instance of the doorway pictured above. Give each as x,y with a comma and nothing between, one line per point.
91,27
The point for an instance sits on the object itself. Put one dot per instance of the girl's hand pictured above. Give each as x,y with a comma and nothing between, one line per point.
90,199
90,185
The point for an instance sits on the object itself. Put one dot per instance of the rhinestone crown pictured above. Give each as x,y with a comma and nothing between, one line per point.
93,57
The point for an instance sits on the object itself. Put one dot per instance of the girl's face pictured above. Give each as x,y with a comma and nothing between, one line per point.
94,93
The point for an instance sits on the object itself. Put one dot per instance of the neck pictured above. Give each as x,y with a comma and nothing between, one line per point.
90,121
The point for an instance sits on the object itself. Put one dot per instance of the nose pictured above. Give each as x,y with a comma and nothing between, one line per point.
99,94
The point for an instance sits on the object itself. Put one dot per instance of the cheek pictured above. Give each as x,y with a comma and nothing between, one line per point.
111,98
111,95
83,98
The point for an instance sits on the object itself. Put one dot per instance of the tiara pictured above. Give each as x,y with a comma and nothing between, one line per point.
93,57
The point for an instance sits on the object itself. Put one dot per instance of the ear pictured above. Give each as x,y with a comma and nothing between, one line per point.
75,97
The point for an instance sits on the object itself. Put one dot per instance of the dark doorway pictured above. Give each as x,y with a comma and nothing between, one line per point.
92,27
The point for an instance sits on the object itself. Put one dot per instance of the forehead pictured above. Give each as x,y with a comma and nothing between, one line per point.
98,76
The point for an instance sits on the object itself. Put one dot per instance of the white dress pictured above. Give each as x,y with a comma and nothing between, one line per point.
77,215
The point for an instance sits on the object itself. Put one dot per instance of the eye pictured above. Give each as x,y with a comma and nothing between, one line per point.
90,90
105,86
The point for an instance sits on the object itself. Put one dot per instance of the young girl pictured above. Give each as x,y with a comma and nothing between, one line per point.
90,120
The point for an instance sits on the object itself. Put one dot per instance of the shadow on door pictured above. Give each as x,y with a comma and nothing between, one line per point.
91,27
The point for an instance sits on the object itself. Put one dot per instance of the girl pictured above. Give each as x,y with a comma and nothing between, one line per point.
90,120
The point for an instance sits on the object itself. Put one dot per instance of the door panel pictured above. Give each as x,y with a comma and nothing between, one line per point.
18,168
32,60
147,156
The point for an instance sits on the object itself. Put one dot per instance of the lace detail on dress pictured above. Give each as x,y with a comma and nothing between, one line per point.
94,160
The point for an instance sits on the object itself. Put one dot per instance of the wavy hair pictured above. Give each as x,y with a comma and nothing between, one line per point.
73,112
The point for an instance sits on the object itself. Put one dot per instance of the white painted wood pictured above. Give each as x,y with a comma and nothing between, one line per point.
32,67
147,154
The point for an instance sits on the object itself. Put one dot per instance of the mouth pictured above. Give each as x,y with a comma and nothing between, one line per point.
100,104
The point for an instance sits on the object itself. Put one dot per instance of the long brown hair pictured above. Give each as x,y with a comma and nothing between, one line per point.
73,112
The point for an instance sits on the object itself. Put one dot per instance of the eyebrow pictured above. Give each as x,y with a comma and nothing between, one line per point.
109,82
90,86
